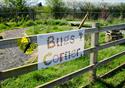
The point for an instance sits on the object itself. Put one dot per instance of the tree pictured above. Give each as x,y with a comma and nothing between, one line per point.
121,8
18,9
16,4
56,7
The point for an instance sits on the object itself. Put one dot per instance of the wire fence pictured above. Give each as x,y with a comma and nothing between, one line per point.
19,16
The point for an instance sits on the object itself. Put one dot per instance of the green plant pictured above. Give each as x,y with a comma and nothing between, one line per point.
56,7
29,23
3,26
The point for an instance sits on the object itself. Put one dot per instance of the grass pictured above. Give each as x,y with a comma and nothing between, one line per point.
117,79
112,21
3,27
23,23
46,25
39,77
40,29
45,75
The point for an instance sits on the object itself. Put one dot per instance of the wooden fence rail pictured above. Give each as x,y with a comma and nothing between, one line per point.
93,51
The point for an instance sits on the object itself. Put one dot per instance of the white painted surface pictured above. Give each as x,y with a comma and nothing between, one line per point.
56,48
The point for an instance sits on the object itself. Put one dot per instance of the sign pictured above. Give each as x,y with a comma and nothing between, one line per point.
56,48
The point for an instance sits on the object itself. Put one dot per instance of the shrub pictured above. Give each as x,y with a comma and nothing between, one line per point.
3,26
39,22
29,23
55,22
12,24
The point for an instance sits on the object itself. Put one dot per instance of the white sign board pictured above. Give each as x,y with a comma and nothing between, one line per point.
56,48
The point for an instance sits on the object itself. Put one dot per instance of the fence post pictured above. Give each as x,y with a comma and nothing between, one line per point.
94,55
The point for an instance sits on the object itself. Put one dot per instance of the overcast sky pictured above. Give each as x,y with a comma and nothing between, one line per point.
110,1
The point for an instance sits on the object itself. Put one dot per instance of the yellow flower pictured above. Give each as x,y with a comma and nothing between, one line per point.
24,40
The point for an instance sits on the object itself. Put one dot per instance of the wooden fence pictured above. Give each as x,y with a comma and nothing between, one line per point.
93,51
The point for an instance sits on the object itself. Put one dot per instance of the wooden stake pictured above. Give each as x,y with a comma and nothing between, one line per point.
83,21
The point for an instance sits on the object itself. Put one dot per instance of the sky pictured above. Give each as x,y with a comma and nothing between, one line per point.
110,1
43,1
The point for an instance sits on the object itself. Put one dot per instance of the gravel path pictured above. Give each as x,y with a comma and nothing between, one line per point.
12,57
14,33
